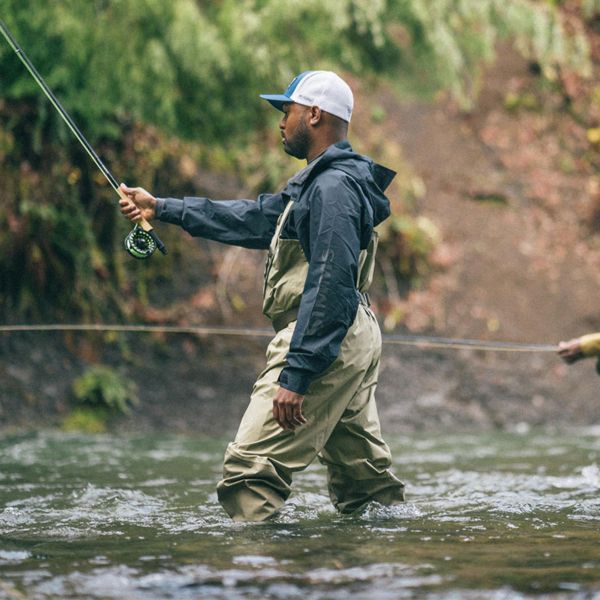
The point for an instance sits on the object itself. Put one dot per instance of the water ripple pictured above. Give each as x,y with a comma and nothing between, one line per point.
487,516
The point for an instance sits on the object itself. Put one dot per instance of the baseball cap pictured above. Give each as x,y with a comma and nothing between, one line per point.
324,89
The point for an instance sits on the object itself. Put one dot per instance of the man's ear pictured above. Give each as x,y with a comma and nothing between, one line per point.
315,115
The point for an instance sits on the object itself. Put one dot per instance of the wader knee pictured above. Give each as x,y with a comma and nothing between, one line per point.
253,488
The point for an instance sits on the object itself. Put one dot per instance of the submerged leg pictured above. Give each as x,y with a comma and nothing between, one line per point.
258,465
252,488
358,463
358,460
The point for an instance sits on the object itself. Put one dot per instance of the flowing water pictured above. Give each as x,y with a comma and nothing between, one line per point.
500,515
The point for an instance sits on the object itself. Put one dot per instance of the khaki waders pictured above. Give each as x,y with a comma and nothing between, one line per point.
343,425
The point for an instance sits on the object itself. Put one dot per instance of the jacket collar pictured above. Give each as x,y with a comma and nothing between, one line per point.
300,178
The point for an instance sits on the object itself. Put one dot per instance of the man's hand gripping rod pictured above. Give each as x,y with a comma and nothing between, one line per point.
142,240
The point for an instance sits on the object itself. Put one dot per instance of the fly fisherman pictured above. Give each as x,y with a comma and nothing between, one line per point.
316,396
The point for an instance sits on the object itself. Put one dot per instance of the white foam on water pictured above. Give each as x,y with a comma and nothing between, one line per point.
591,474
254,560
380,512
13,556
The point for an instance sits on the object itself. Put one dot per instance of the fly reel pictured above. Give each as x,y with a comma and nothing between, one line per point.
139,243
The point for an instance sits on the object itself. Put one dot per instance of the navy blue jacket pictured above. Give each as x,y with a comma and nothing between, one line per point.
339,198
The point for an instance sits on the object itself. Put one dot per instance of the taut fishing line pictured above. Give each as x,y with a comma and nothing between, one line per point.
142,241
420,341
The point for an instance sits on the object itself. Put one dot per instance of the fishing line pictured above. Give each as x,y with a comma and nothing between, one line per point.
142,240
420,341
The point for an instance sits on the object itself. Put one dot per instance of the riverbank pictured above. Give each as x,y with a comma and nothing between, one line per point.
511,187
202,385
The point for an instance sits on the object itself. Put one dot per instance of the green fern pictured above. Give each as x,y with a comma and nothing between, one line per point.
102,387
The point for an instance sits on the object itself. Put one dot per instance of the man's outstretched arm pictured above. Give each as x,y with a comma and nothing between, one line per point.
247,223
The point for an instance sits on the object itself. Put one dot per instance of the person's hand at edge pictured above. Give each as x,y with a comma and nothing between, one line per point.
570,351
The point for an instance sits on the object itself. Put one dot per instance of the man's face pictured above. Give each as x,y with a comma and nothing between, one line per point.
294,130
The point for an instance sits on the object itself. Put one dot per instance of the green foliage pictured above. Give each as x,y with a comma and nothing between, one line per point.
407,243
52,249
449,40
591,8
514,101
195,70
101,387
378,114
101,392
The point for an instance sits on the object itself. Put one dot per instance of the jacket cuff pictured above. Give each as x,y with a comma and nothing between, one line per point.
169,210
295,380
590,344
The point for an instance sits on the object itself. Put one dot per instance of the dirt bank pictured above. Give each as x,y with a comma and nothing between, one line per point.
188,384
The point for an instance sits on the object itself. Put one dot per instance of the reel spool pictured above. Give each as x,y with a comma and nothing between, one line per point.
139,243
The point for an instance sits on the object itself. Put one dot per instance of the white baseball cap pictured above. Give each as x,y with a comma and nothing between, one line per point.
324,89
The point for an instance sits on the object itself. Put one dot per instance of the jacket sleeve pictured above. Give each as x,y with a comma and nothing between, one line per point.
329,230
246,223
590,344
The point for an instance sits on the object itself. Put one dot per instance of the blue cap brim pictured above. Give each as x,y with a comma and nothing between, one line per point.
276,100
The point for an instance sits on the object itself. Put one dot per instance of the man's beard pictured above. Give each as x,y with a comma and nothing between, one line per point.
299,144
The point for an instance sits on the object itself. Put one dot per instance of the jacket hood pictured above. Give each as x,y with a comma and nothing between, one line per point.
372,177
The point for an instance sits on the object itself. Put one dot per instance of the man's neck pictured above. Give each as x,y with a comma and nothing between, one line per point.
319,147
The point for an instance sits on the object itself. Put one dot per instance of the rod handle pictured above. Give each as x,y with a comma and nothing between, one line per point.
145,225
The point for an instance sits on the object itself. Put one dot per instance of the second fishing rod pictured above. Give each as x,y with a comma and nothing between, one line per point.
142,241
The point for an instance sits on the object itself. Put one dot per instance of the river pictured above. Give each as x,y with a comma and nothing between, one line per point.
488,515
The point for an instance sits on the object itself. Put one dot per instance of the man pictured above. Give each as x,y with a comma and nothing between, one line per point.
316,394
582,347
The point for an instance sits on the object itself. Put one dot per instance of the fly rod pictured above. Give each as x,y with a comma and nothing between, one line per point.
142,240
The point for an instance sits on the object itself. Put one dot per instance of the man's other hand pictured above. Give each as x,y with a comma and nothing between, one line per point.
138,204
287,409
570,351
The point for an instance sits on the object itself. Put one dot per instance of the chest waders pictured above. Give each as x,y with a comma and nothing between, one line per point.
343,425
285,274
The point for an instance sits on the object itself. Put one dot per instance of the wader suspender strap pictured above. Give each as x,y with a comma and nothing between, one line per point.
274,240
280,225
